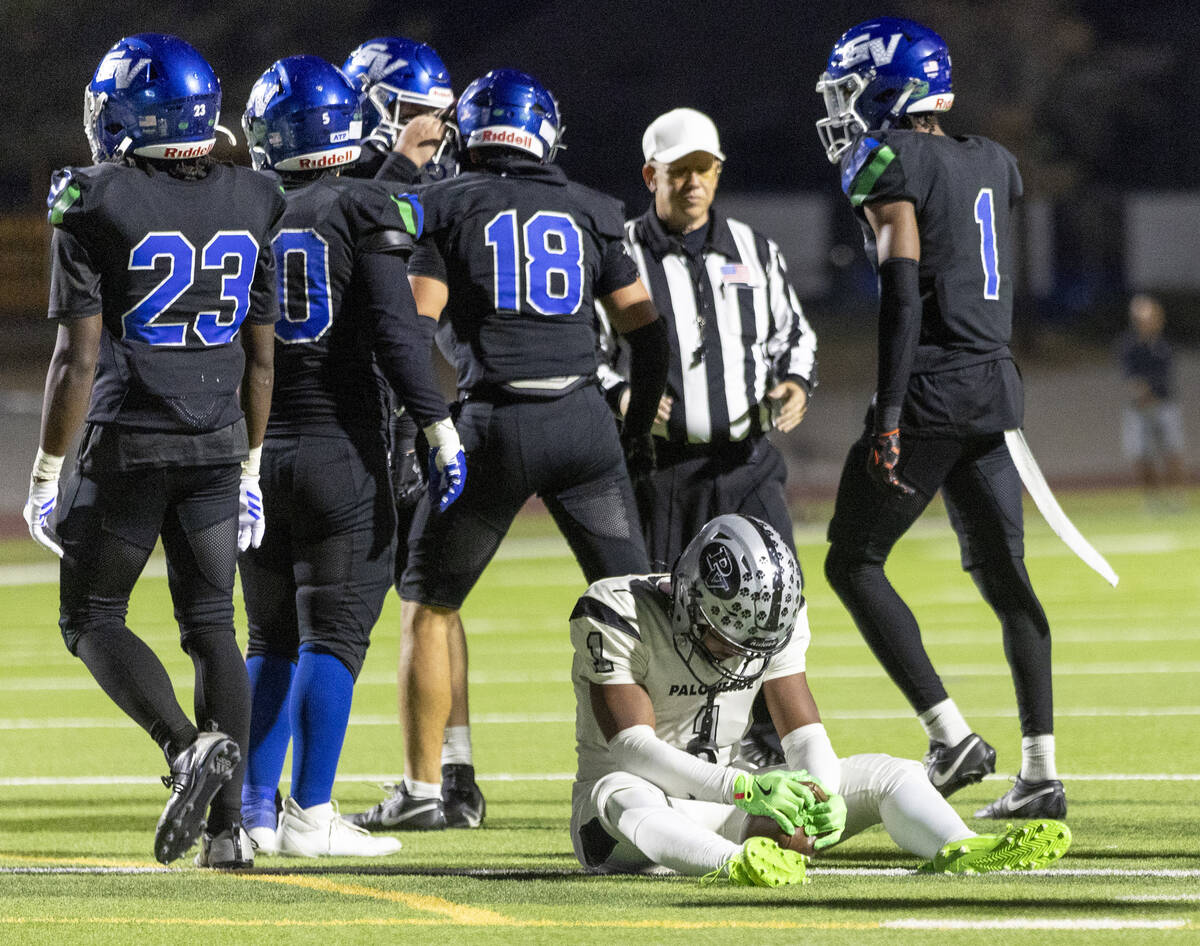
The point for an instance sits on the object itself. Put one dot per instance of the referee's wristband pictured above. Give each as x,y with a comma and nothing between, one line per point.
46,467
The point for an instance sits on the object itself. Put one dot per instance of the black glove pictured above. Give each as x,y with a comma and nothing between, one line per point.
882,457
639,460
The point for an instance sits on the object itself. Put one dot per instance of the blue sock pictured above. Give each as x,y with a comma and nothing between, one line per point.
270,732
320,710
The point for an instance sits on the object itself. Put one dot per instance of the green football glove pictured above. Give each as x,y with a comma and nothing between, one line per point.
776,795
825,820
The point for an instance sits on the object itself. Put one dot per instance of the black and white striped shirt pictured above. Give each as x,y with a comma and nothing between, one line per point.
735,325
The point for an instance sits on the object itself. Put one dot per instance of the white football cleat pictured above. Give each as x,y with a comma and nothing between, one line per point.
320,831
264,841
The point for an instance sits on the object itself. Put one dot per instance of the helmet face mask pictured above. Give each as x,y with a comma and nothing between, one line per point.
152,96
303,115
878,72
736,598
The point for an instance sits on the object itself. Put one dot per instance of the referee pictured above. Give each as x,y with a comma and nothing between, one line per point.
743,359
742,354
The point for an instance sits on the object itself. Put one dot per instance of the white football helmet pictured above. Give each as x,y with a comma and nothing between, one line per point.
739,581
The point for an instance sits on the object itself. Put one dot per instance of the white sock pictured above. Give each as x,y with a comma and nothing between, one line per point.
456,746
423,789
944,723
919,819
665,835
1037,758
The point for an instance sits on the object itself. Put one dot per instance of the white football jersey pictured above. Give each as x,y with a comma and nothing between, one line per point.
621,631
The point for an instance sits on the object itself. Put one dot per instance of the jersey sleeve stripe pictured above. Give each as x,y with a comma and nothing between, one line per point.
864,181
69,195
600,612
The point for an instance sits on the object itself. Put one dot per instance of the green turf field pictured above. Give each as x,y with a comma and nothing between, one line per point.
79,794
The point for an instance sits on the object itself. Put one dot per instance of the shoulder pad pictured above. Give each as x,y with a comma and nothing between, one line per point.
388,204
68,187
607,214
862,167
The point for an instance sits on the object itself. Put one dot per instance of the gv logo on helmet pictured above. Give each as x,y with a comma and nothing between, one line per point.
119,68
376,61
719,571
858,49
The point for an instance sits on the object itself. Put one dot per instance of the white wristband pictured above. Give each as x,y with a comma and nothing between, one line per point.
46,467
442,434
809,748
252,463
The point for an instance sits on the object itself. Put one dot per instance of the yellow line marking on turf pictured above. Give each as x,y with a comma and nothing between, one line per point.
431,921
71,861
454,912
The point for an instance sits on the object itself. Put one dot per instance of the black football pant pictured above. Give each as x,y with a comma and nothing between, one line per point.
322,573
564,450
982,492
109,524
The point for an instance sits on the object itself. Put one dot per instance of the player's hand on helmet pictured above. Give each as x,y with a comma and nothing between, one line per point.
420,138
43,498
882,457
447,464
777,795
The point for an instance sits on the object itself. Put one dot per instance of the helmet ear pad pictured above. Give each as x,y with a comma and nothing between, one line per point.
737,594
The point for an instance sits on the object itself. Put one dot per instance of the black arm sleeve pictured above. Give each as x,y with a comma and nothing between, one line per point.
899,330
403,339
649,355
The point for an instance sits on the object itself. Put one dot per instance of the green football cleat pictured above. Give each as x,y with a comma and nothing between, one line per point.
1030,846
762,863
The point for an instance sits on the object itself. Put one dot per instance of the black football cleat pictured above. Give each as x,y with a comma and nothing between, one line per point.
197,774
462,800
1028,800
950,768
400,811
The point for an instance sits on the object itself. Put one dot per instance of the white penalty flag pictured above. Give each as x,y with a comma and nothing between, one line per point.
1064,528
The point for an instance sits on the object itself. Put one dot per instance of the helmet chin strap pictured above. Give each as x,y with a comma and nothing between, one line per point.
119,150
905,94
228,134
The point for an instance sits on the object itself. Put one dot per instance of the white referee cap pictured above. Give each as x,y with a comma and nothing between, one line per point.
678,132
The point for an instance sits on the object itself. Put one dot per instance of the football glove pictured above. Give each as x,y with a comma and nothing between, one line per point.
447,464
777,795
43,498
251,523
882,457
824,820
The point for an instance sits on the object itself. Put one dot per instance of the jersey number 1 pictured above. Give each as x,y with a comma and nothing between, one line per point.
553,250
985,216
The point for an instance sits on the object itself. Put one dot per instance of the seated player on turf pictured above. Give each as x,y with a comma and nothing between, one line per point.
666,668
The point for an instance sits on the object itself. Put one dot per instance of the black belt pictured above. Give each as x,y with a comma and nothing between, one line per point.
731,451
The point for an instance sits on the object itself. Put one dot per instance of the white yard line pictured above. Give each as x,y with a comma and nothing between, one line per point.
533,719
379,778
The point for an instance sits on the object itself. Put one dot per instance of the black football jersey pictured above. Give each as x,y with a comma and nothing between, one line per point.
524,252
327,376
963,189
174,267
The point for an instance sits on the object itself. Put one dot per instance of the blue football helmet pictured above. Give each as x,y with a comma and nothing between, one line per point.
877,72
303,115
510,109
392,71
152,95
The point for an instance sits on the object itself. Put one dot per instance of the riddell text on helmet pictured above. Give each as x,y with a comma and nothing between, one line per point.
326,160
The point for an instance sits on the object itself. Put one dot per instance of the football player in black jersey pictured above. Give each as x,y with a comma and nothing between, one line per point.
348,329
515,254
163,288
935,210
